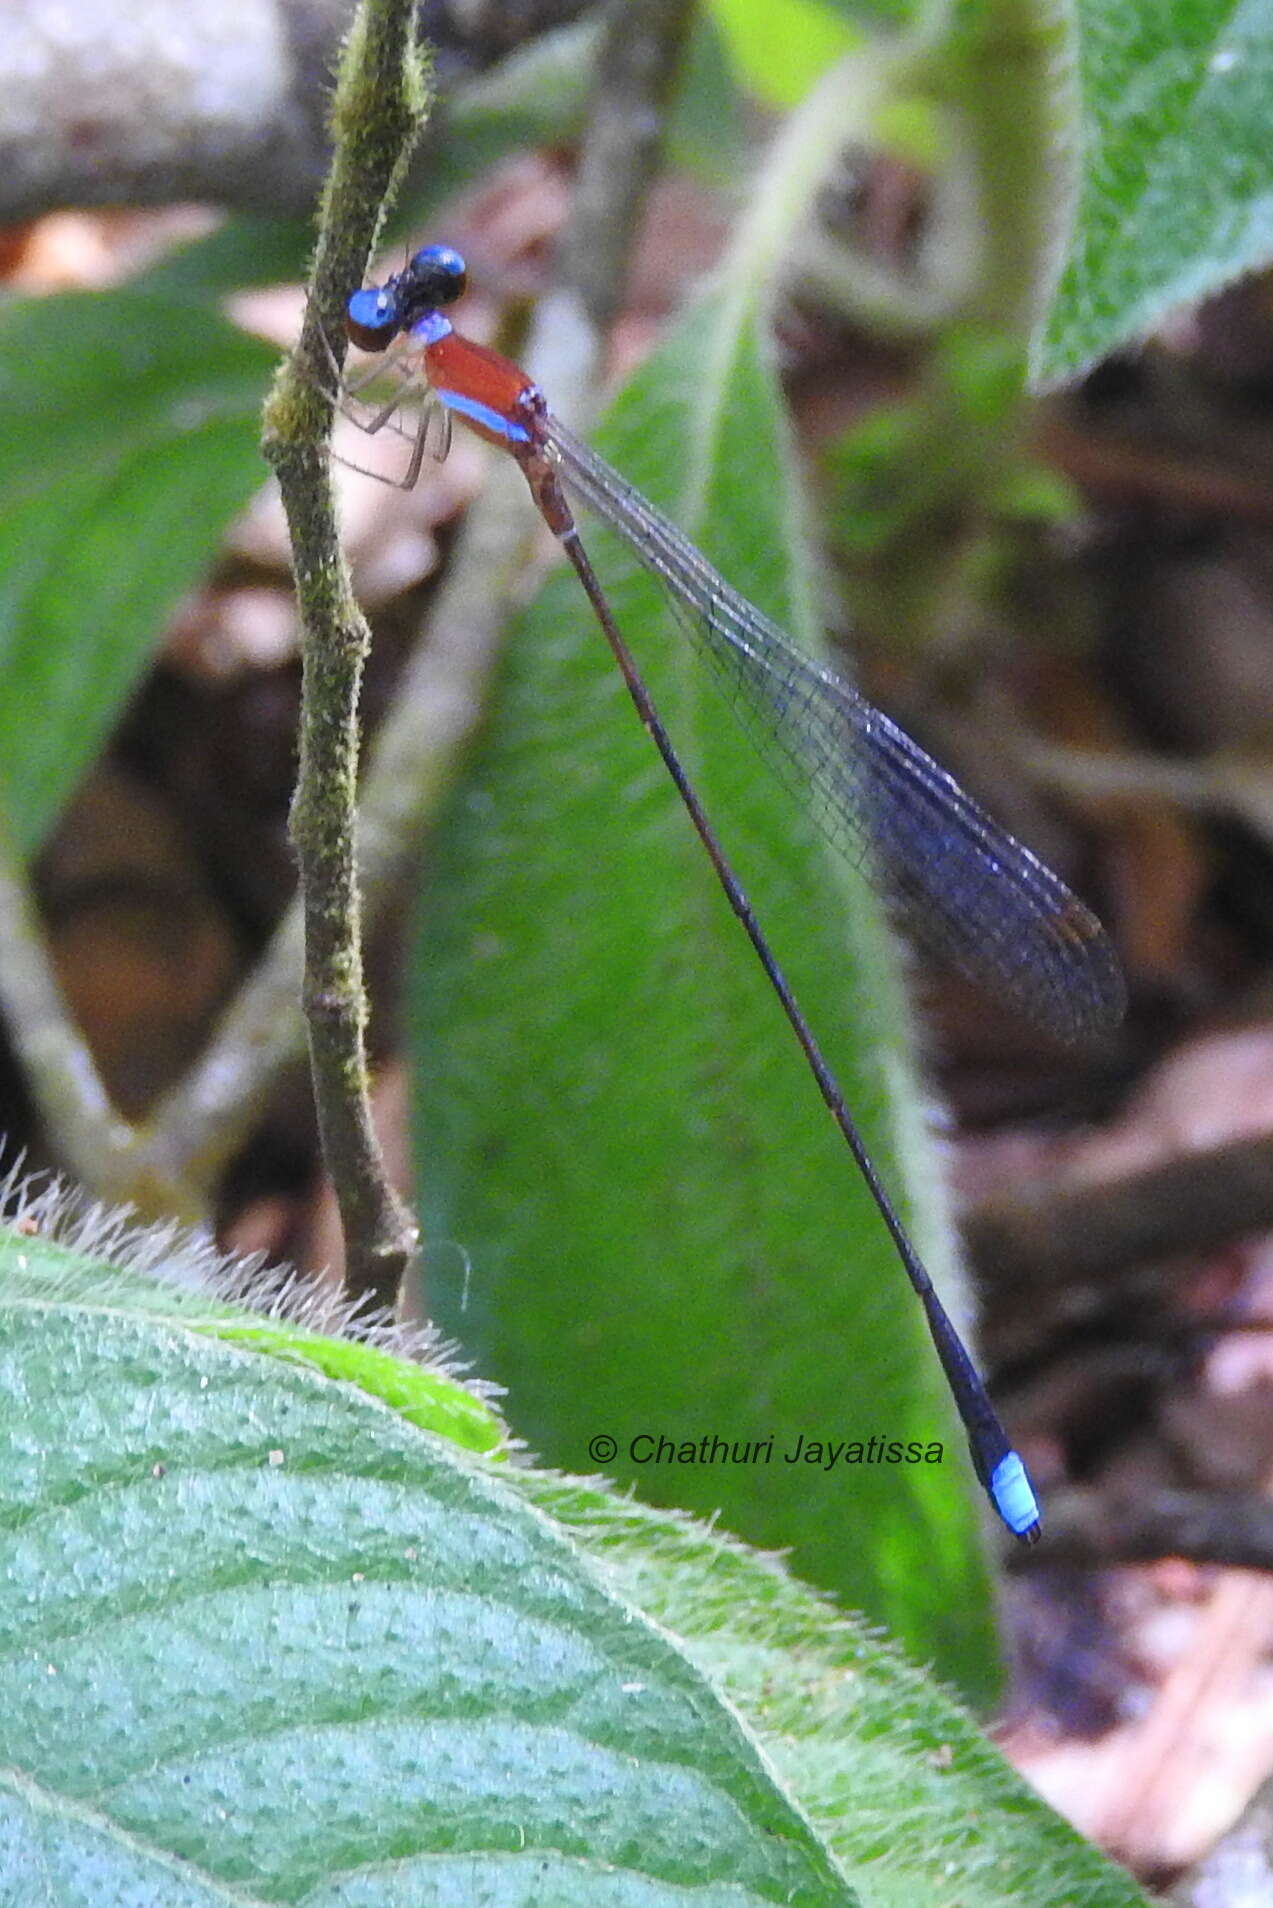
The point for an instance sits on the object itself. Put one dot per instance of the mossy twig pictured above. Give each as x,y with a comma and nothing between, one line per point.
378,110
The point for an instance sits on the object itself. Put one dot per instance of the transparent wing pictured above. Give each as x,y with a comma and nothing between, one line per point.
969,890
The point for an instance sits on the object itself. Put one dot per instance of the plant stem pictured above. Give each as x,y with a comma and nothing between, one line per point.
85,1129
377,112
1011,80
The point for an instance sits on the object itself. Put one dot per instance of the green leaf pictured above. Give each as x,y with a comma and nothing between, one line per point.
252,1621
663,1232
253,1625
131,440
1177,179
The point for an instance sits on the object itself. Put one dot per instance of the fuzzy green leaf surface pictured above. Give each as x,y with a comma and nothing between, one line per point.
277,1319
910,1795
264,1641
131,440
663,1234
254,1623
1176,197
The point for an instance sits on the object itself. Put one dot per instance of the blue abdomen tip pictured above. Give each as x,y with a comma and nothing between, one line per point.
1013,1495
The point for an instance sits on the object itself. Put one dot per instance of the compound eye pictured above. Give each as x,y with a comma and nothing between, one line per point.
372,318
438,275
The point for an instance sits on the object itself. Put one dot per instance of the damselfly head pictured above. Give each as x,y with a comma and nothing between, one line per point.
434,276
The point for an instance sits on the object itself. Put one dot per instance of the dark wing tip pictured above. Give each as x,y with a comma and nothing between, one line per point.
1091,997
